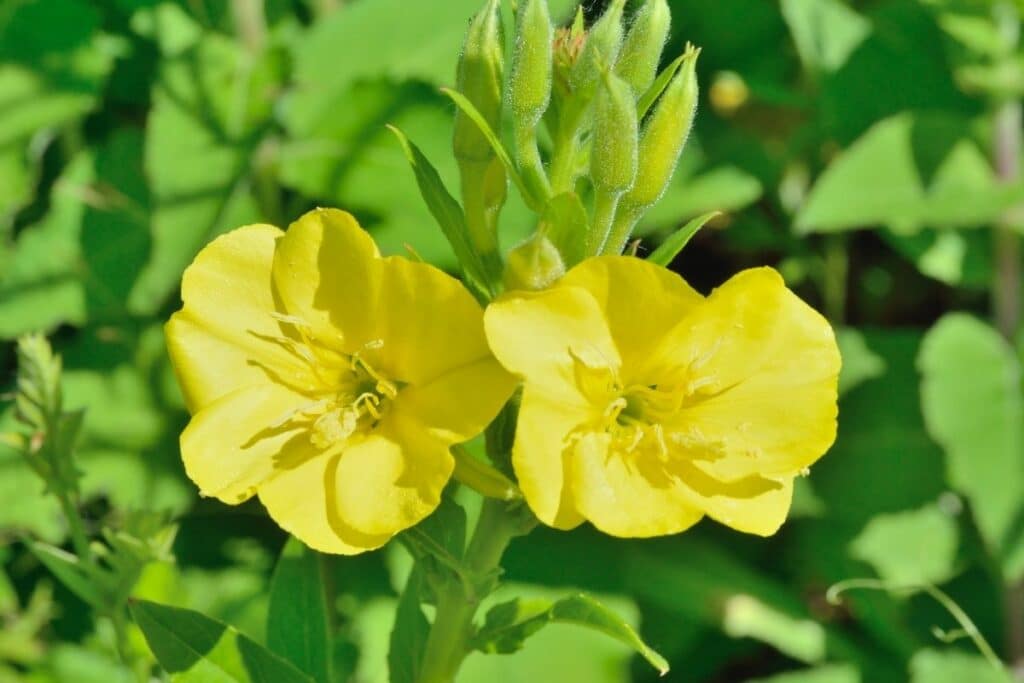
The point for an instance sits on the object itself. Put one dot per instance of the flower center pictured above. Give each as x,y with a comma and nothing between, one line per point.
354,395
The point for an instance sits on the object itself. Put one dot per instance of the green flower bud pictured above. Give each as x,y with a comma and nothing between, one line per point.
599,53
530,84
533,265
638,62
479,78
665,133
613,157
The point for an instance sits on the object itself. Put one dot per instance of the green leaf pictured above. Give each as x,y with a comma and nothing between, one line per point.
536,203
298,616
831,673
933,666
409,634
690,194
565,221
745,616
509,624
825,31
210,106
910,548
908,172
955,257
70,572
448,214
860,363
670,248
196,649
648,99
972,405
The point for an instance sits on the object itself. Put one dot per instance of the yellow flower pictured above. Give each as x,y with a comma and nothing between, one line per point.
646,406
328,379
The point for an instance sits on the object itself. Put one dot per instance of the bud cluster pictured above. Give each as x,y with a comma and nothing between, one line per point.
592,120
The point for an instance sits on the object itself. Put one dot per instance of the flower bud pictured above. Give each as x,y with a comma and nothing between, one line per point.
533,265
479,79
638,62
613,158
665,133
530,84
599,52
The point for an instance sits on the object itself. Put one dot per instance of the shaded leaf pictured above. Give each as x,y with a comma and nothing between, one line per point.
409,634
972,404
860,363
298,616
910,548
196,649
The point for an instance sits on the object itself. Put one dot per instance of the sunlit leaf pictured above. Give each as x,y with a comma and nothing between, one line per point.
299,614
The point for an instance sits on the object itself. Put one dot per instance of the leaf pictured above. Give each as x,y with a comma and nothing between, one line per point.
745,616
508,624
860,363
565,221
69,571
298,615
670,248
210,105
972,405
648,99
932,666
448,214
467,107
196,649
910,548
955,257
908,172
825,31
409,634
831,673
690,194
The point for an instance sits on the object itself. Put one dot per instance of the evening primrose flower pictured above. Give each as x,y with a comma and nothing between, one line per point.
327,379
646,406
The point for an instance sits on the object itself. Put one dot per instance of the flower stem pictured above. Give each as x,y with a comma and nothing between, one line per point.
448,641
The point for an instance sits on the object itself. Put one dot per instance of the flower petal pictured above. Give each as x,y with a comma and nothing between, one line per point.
428,322
770,366
326,270
459,404
297,499
538,456
753,505
229,448
640,300
222,338
390,480
536,334
623,498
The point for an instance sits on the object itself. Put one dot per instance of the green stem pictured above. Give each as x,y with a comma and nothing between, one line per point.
448,642
837,267
530,163
250,23
622,227
76,527
605,204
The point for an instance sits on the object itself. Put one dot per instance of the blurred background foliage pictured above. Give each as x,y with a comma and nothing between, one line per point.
866,149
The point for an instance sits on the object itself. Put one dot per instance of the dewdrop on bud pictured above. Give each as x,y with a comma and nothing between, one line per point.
613,157
665,133
638,62
600,51
479,80
530,83
533,265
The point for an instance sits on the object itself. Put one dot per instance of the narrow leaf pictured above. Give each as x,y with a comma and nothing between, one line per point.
69,571
298,619
660,83
409,636
448,214
509,624
535,203
481,477
194,648
671,247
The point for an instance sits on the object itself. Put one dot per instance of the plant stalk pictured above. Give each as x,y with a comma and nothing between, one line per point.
448,641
